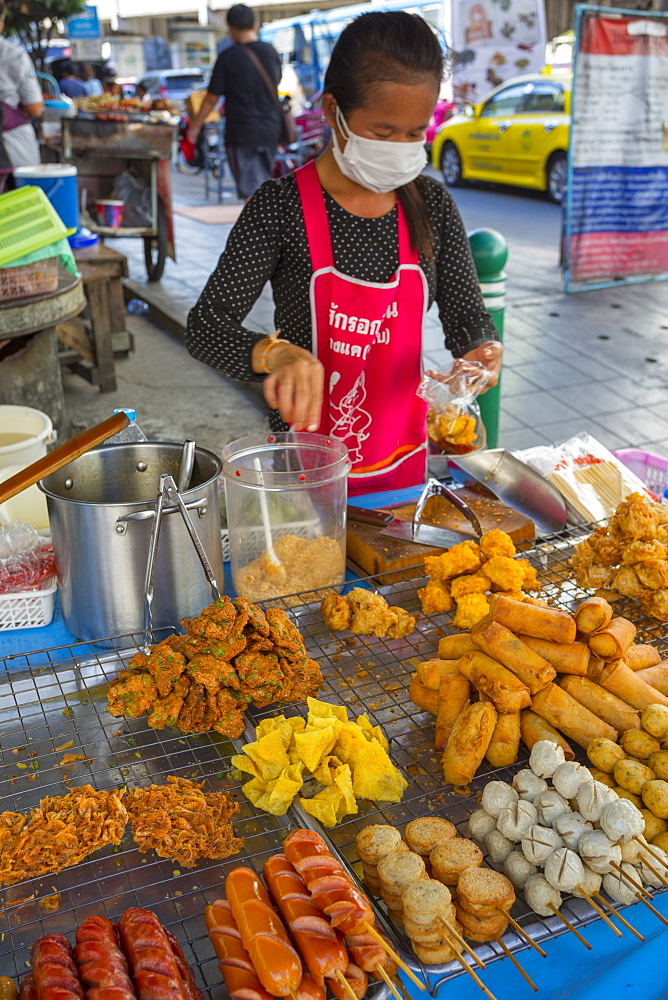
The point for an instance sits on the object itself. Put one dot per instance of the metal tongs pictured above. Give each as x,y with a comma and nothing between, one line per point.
168,491
434,487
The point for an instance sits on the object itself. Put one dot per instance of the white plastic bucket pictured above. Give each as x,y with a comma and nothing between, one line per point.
24,435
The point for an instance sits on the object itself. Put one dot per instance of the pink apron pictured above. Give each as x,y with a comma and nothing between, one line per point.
368,336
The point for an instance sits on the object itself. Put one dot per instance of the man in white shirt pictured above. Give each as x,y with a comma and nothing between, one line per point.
20,101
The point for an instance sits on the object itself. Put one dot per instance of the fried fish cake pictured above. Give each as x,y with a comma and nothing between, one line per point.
255,669
193,714
336,612
212,672
256,617
165,666
215,622
229,721
165,712
132,696
282,632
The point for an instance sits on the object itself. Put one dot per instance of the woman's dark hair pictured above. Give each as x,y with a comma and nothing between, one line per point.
388,47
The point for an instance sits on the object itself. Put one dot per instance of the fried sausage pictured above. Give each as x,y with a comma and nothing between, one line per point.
263,935
102,965
240,977
54,970
186,973
356,979
334,893
152,964
321,951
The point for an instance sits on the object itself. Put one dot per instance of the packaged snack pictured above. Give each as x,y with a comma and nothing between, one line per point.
26,561
454,424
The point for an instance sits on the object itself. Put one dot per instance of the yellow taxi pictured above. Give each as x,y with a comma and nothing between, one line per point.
518,134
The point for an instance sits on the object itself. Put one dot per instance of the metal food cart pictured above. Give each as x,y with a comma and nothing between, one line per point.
101,148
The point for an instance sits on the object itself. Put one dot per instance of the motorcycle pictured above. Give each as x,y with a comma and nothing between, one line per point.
207,151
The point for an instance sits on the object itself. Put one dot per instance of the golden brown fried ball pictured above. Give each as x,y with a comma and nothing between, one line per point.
655,797
604,754
638,744
654,720
632,775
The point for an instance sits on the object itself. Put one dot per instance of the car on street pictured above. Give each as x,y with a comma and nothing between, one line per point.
518,134
173,84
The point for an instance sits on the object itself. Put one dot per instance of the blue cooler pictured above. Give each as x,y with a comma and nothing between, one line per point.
58,181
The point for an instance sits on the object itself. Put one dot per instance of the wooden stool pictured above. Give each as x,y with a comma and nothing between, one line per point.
93,339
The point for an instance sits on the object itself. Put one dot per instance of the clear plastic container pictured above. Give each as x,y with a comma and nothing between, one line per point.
286,498
131,433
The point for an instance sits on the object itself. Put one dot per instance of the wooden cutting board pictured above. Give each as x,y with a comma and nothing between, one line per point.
380,554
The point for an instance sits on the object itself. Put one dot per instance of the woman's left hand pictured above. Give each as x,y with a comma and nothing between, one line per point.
488,354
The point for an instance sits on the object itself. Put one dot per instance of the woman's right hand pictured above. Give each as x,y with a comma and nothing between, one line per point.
295,385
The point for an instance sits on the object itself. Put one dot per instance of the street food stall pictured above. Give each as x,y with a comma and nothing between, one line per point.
136,145
445,777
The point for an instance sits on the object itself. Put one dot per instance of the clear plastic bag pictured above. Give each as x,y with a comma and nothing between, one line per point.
26,561
135,194
454,423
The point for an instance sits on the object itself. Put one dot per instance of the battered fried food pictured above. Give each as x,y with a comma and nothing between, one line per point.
655,603
368,614
465,557
505,573
653,573
435,598
497,543
179,821
470,609
236,655
61,831
336,612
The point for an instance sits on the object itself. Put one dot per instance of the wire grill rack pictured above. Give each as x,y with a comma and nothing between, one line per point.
55,698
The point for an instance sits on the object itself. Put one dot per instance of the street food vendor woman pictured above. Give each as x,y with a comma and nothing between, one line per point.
356,245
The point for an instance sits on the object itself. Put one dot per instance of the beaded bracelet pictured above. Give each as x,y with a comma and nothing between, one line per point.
274,338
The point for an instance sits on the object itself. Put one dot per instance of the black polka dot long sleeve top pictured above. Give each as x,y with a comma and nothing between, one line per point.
268,243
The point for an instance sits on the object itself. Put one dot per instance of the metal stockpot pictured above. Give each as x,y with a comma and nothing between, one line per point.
101,509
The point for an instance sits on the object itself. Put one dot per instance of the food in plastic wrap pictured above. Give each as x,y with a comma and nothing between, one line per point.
26,561
454,424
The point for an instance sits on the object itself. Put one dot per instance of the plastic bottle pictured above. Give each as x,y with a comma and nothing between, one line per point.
138,307
131,433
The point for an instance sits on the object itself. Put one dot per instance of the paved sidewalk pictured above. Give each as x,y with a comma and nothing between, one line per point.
595,361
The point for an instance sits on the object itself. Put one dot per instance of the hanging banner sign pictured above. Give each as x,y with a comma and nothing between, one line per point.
616,207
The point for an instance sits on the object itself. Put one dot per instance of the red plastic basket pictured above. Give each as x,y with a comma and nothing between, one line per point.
36,278
652,469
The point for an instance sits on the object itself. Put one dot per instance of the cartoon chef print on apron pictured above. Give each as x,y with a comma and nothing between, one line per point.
368,336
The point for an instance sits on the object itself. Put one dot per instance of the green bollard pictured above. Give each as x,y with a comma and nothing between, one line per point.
490,253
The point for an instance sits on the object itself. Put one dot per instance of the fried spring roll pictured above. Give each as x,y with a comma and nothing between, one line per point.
500,643
469,739
641,655
530,619
505,742
593,614
566,658
656,677
429,672
612,642
451,647
565,713
629,686
422,696
534,728
503,688
453,696
602,703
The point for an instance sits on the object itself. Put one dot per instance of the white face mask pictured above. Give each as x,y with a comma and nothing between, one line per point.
377,164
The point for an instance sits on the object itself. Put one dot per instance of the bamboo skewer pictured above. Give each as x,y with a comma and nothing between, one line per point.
619,916
655,871
400,986
392,953
652,908
474,976
569,925
600,912
382,974
522,933
648,848
638,886
517,965
455,933
293,995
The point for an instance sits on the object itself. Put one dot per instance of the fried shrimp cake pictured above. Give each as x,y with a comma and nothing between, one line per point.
215,622
371,614
230,721
193,714
165,666
131,696
256,616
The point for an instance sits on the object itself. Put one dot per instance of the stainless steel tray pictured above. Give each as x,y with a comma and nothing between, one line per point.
51,697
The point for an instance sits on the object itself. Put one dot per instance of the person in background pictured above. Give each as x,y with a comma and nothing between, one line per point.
21,103
70,84
252,117
357,245
92,84
109,82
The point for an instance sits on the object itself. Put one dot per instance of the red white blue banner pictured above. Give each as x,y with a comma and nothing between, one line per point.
616,207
